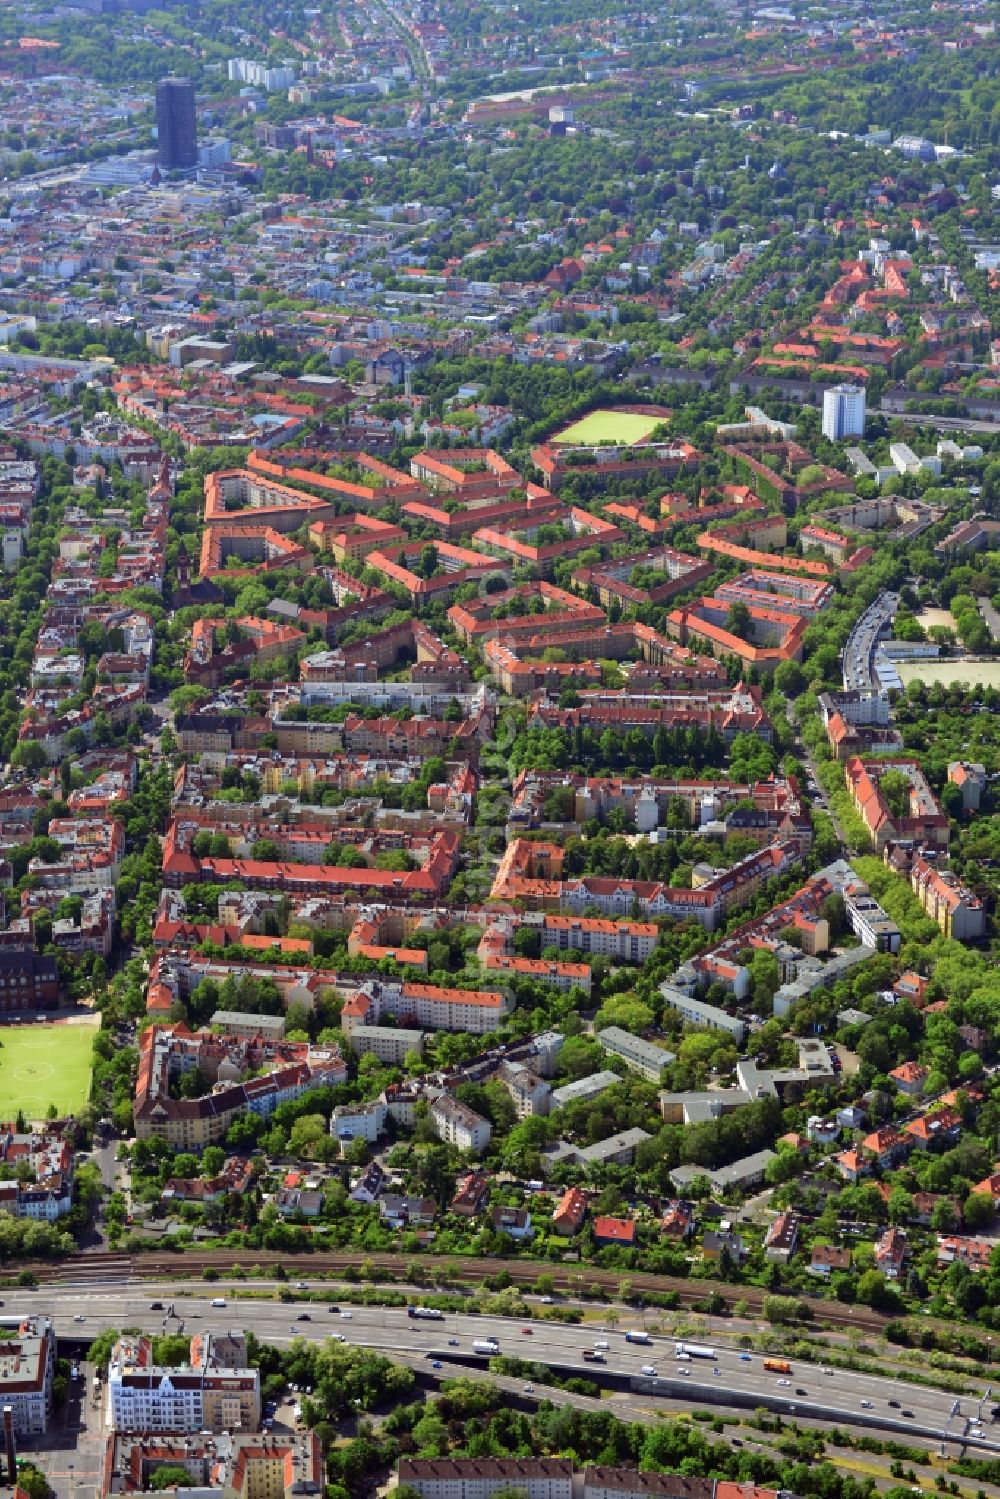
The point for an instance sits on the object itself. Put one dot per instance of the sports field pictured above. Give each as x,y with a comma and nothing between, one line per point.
42,1065
623,427
975,673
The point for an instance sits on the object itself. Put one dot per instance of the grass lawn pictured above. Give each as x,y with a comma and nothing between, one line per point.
42,1065
624,427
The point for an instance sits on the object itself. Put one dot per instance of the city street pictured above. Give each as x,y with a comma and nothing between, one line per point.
741,1380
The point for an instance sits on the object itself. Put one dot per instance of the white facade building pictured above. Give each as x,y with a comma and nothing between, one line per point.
359,1121
843,412
458,1125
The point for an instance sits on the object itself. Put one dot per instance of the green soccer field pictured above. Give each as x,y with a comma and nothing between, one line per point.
625,427
42,1065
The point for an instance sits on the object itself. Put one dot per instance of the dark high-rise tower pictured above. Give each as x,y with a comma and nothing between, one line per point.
177,136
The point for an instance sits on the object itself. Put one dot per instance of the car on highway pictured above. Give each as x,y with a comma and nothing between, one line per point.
800,1391
435,1363
79,1317
684,1371
452,1342
866,1405
909,1415
293,1329
334,1311
717,1373
603,1345
527,1332
745,1358
346,1314
548,1300
156,1306
301,1285
784,1384
896,1404
529,1389
304,1317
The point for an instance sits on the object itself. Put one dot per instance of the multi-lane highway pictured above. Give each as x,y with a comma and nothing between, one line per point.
732,1378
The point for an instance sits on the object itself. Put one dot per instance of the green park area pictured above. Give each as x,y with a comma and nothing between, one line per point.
625,427
43,1066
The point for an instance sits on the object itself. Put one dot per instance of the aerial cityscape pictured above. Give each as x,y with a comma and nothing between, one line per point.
499,818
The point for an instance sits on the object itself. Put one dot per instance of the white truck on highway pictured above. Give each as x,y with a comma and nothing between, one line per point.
486,1345
429,1313
695,1350
638,1337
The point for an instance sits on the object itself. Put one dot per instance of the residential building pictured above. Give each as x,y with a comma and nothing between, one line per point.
359,1121
406,1212
886,1146
637,1054
246,1027
429,1006
609,1231
852,1165
843,412
389,1044
456,1124
514,1222
724,1242
739,1176
922,818
976,1253
471,1192
480,1478
284,1070
215,1391
571,1209
958,912
909,1078
990,1187
298,1202
781,1238
869,923
368,1186
971,781
891,1253
227,1465
826,1258
531,1094
616,1150
27,1369
583,1088
42,1187
698,1012
631,1483
939,1127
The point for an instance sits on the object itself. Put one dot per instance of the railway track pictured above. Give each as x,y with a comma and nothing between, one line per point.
110,1268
